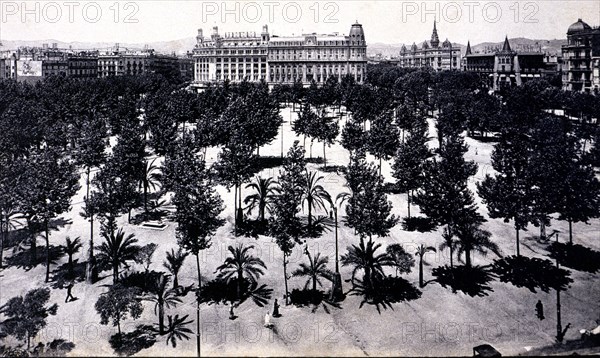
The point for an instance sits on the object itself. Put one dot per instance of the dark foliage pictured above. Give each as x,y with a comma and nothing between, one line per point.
144,280
577,257
472,281
316,298
531,273
128,344
386,291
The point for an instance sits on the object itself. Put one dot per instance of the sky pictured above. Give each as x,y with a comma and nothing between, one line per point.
388,21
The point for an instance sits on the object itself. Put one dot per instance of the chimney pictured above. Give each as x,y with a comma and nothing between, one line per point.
54,45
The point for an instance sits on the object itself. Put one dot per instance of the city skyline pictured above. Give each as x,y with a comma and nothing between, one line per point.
387,22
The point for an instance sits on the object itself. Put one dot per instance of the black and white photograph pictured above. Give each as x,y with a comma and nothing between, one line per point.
190,178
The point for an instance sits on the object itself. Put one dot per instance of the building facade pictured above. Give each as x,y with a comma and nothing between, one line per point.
506,67
581,58
431,54
310,57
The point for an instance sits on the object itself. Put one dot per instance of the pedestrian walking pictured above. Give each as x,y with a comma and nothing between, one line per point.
69,294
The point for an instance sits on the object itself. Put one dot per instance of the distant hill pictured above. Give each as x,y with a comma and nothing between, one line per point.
181,46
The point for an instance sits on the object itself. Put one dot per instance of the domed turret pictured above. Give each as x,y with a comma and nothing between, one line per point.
357,35
413,48
577,27
447,44
424,45
403,49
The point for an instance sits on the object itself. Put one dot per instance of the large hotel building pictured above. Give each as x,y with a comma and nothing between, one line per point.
432,55
581,58
239,56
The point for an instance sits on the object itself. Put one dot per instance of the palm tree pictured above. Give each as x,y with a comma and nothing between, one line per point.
241,263
472,238
151,179
162,297
174,262
449,243
314,194
316,268
265,190
71,248
364,258
177,329
116,250
421,251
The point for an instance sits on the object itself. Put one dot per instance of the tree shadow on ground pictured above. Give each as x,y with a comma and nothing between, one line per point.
61,277
56,348
253,228
575,256
16,238
391,188
220,291
314,298
268,162
472,281
338,169
144,280
418,223
385,291
128,344
531,273
21,258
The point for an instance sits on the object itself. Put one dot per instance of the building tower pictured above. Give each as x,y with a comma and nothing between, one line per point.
435,40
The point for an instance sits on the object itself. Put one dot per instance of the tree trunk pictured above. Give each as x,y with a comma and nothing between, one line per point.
1,237
161,319
146,195
309,215
570,235
198,304
314,281
468,258
71,273
33,249
115,272
47,252
451,254
324,157
421,271
286,279
235,210
175,281
408,199
119,328
91,272
518,251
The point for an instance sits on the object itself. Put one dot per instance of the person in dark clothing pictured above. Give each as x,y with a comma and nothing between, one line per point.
69,294
539,308
276,309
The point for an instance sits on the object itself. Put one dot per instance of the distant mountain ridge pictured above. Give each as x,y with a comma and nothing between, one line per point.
184,45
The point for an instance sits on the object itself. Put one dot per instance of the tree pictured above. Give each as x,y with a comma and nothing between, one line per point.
368,210
177,329
304,125
408,166
150,180
354,137
46,190
508,194
27,315
162,297
284,224
326,130
383,137
198,206
421,251
116,250
118,304
174,262
472,238
314,195
144,255
449,243
444,195
241,265
315,269
363,257
91,154
402,260
71,248
264,191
